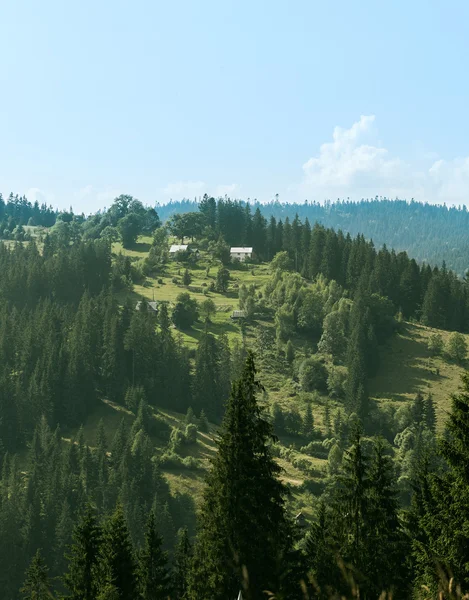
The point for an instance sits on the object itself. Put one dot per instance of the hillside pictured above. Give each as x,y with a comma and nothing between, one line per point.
428,233
407,368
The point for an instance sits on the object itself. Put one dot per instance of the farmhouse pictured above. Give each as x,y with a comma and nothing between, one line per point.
240,253
238,314
152,306
175,248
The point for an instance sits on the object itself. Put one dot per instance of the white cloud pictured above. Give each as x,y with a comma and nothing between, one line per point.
34,193
89,199
184,189
352,166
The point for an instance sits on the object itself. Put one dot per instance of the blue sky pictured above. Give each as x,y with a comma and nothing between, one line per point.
250,98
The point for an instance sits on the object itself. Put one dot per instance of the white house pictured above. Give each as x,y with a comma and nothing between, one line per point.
177,248
240,253
152,306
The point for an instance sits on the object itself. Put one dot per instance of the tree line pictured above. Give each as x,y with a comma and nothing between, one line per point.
427,232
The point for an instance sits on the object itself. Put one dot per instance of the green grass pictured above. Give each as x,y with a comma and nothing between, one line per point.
408,368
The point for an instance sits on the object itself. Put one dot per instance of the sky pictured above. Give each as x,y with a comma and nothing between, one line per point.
249,98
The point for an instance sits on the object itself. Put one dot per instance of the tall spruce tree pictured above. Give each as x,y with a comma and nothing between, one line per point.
117,565
245,539
36,584
181,565
153,570
80,578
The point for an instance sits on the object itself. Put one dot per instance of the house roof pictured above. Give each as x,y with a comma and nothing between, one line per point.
238,313
241,250
151,305
178,247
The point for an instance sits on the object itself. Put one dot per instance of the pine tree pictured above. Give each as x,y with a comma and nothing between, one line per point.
116,558
320,556
153,570
386,547
80,578
350,510
290,352
203,422
308,422
245,538
182,565
36,584
430,414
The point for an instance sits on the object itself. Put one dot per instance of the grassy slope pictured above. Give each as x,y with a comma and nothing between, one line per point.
406,368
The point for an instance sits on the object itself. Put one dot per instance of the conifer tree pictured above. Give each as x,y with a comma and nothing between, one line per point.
245,538
308,422
80,577
386,547
321,558
153,570
182,565
116,558
36,584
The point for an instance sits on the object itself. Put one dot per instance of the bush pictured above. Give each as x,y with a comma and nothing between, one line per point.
293,422
435,344
175,280
456,348
336,381
186,278
160,281
190,462
170,460
191,433
313,375
185,312
176,440
315,449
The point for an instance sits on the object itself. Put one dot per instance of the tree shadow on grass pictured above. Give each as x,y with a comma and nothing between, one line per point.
405,367
143,247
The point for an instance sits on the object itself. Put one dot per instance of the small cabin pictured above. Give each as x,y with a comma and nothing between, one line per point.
240,253
152,307
175,248
238,314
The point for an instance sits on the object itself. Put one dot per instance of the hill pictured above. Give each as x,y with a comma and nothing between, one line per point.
428,233
406,368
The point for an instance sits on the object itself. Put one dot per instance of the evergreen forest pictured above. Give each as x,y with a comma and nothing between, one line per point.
184,425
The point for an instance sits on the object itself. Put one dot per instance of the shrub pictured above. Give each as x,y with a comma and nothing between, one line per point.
185,312
186,278
313,375
435,344
190,462
336,381
191,433
456,348
160,281
176,440
315,449
175,280
293,422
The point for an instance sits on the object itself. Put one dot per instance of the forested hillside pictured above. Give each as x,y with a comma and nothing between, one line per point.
310,430
427,232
